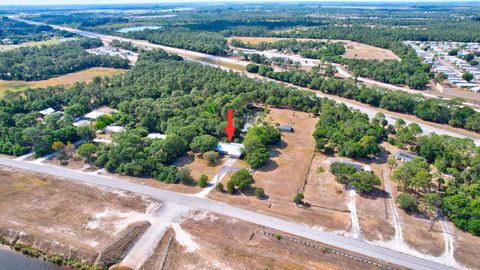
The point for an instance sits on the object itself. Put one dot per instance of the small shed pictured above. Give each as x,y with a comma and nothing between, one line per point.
405,157
46,112
113,129
158,136
93,115
233,150
285,128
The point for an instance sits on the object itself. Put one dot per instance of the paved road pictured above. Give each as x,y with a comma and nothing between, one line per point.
234,212
236,65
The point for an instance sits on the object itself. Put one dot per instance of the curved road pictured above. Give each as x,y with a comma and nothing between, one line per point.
342,242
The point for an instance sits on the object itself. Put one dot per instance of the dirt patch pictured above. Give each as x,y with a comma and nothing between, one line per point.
43,212
353,49
357,50
66,80
467,250
233,244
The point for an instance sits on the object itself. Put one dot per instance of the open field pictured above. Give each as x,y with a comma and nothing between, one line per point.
69,219
352,49
67,80
286,173
232,244
52,41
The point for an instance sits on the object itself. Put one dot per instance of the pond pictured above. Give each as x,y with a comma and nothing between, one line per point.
137,28
11,260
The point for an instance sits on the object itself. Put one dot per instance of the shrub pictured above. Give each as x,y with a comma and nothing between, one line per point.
259,192
183,175
298,199
257,157
203,181
241,179
252,68
407,202
203,143
219,187
211,157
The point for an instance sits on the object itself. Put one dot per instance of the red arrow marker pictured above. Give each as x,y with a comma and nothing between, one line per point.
230,128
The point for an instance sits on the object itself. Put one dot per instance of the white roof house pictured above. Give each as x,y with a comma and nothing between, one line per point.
93,115
47,111
156,136
233,150
80,122
114,129
475,89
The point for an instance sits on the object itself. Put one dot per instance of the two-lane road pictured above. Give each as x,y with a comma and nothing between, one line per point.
353,245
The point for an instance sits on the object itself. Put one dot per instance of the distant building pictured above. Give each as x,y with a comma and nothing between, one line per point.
93,115
113,129
285,128
233,150
158,136
46,112
405,157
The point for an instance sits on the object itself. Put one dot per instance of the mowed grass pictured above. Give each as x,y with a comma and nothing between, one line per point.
66,80
52,41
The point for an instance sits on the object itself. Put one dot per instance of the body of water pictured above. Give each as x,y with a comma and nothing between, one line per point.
11,260
137,28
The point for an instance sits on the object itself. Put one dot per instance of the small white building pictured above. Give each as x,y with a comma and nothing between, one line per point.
113,129
233,150
157,136
405,157
46,112
93,115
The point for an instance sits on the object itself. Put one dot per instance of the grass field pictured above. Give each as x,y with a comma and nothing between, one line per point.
52,41
69,79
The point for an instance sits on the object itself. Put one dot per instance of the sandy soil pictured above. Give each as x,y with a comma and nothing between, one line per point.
285,174
467,248
352,49
64,217
67,80
234,244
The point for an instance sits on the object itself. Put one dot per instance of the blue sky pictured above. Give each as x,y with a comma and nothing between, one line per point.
62,2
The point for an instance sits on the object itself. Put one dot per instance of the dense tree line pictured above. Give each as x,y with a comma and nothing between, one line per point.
40,63
81,19
200,41
440,111
350,133
19,32
124,45
285,45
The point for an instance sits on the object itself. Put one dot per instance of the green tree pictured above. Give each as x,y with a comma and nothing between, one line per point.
241,179
364,181
252,68
203,181
407,202
203,143
87,151
467,76
257,157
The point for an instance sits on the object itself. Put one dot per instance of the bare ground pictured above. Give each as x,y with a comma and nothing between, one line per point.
234,244
285,174
66,218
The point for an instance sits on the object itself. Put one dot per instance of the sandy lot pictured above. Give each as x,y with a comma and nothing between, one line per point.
66,218
353,49
285,174
67,80
234,244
